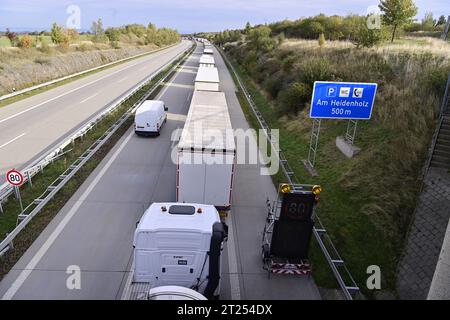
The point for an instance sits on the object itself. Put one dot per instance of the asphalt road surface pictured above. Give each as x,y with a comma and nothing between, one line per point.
33,126
94,230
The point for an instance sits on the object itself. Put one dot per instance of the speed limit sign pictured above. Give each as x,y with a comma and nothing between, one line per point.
14,177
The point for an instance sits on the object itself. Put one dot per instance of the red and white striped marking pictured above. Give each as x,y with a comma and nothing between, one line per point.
291,268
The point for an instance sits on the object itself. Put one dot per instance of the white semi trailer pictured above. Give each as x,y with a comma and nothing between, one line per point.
208,51
176,245
207,79
207,61
206,152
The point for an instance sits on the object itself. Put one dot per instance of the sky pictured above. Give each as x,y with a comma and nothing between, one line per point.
187,16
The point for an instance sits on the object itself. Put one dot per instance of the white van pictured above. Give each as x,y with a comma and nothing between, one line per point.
149,117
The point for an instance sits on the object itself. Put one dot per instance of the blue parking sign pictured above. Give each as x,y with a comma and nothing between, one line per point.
343,100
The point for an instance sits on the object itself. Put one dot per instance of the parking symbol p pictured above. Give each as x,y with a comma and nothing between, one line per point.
331,92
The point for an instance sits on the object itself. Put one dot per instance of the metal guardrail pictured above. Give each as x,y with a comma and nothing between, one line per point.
445,103
48,83
38,165
326,245
36,206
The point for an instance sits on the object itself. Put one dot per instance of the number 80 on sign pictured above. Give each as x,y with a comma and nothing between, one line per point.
14,178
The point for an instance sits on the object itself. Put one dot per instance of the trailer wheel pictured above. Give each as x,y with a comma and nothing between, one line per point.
265,252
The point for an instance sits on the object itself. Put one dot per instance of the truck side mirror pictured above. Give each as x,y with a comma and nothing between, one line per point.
166,109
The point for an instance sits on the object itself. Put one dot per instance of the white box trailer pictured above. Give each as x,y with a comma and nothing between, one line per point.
206,152
207,61
177,245
207,79
208,51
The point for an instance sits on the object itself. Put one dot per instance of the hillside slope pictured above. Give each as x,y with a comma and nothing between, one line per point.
24,68
368,201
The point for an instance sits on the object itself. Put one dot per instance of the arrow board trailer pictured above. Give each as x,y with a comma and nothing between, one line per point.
207,79
177,245
207,61
206,152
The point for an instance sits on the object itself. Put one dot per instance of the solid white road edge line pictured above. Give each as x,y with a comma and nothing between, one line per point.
18,282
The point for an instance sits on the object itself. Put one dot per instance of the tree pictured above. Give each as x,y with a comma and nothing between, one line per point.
57,34
441,21
113,34
138,30
12,36
152,33
97,29
260,40
397,13
428,22
248,26
25,41
281,38
321,40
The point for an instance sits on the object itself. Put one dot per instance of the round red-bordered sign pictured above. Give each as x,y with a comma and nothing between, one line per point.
14,177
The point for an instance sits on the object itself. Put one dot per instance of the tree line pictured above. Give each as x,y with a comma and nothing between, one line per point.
136,33
363,31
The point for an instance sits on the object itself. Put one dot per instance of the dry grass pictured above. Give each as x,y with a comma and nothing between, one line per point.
415,45
23,68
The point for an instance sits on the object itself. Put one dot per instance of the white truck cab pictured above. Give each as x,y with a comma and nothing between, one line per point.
178,244
149,117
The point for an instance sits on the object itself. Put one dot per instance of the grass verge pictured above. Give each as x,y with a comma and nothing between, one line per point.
356,239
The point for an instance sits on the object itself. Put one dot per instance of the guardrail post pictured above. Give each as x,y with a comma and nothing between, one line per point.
18,197
29,178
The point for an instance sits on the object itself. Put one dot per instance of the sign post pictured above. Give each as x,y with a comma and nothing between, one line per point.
340,100
15,178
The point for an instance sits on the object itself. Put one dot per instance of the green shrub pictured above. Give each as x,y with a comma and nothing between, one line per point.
366,38
274,84
25,42
115,44
436,80
321,40
295,97
316,70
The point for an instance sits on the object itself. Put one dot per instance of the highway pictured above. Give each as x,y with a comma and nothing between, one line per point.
31,127
95,228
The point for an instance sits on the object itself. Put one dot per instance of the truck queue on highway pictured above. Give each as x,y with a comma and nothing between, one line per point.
177,246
